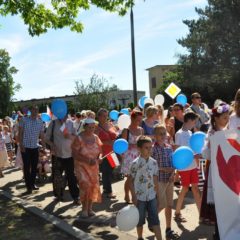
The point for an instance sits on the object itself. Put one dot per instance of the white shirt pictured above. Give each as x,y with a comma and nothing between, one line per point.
182,139
234,121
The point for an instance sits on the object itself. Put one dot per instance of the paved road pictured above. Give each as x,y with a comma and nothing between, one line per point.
103,225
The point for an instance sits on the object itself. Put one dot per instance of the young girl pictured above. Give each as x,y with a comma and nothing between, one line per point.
131,134
43,164
8,142
3,153
219,122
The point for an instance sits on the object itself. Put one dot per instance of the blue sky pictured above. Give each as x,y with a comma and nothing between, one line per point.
50,64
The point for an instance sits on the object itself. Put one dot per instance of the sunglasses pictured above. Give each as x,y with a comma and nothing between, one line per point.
198,97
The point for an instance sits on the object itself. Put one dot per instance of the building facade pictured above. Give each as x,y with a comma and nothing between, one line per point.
155,77
116,98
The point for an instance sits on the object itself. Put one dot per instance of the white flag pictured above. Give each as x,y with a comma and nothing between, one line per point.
225,164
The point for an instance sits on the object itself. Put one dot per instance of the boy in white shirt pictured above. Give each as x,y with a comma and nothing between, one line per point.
188,175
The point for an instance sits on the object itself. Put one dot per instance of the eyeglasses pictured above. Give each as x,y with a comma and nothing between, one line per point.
198,97
176,109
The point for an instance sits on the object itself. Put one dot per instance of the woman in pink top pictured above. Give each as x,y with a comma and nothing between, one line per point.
87,150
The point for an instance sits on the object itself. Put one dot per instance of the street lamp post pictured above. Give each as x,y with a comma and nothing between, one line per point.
133,59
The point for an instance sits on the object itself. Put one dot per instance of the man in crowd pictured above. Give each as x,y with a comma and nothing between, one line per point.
30,129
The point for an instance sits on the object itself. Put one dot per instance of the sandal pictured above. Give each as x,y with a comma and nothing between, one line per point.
171,235
77,202
91,213
178,218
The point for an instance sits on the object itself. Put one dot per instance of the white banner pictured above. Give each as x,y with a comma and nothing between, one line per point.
225,164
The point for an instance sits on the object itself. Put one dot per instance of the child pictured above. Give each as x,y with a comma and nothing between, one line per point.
3,153
43,164
162,152
190,174
8,142
144,187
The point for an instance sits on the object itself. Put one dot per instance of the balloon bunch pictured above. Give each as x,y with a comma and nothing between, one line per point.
183,156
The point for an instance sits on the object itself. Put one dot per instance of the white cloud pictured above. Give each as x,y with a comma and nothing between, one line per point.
13,43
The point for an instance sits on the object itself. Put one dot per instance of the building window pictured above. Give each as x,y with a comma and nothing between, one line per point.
154,83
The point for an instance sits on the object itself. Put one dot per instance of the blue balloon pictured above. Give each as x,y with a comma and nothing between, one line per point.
197,142
114,115
141,101
59,108
125,111
120,146
45,117
182,99
182,157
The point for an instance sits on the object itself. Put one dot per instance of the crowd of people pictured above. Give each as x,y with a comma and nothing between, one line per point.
74,150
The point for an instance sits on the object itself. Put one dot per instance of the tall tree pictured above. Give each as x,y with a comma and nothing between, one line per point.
212,62
7,84
94,95
60,13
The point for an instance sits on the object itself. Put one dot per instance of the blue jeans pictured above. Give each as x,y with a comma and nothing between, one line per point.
148,209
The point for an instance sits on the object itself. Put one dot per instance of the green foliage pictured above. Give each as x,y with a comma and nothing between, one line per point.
7,84
94,95
61,13
212,65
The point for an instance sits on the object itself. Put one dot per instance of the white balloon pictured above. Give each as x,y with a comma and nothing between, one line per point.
124,121
159,99
127,218
149,100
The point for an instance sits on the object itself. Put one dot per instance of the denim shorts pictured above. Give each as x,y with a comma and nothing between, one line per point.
149,210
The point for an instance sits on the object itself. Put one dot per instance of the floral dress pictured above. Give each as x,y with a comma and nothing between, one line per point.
131,154
87,175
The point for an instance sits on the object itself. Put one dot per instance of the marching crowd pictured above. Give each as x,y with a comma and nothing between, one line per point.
74,150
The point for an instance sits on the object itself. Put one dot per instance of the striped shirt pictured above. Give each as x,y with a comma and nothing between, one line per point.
31,131
163,156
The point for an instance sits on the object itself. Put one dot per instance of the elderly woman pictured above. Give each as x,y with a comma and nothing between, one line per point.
87,149
107,133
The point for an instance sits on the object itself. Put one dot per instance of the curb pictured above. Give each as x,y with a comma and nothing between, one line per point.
61,224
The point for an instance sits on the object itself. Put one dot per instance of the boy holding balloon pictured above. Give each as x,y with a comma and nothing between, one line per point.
144,187
189,174
162,152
